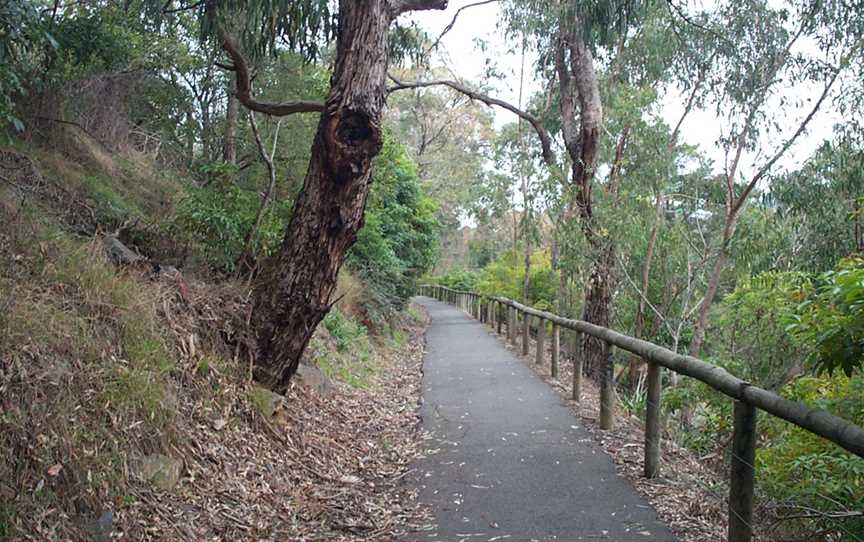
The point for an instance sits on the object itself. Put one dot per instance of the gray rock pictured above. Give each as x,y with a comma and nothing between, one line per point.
266,402
102,527
160,470
314,379
119,252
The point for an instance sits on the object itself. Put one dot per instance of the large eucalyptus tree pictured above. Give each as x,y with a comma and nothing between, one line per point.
293,292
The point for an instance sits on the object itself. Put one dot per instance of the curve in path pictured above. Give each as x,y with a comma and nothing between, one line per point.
506,459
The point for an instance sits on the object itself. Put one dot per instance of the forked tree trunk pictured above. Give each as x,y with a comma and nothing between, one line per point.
293,293
576,76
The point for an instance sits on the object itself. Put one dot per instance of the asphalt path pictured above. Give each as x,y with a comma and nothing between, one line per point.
506,459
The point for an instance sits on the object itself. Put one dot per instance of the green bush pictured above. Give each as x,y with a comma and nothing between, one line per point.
797,466
217,218
505,276
458,280
399,240
831,318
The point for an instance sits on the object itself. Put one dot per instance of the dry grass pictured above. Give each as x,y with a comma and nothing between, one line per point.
100,366
351,295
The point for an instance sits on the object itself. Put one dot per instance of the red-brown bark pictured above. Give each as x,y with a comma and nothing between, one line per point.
293,293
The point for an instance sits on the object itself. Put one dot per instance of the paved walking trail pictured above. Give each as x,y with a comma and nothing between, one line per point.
512,463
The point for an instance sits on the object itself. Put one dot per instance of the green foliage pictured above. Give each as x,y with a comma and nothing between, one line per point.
831,318
22,33
218,217
751,336
822,202
398,242
797,466
506,276
97,41
343,330
352,361
458,280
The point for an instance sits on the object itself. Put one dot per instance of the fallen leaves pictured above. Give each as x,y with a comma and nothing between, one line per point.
326,468
682,496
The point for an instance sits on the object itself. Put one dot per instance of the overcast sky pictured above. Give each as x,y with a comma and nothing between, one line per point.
469,64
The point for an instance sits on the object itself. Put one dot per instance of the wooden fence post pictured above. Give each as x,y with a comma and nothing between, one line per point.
498,316
577,366
741,473
541,341
511,325
556,348
652,420
526,332
607,391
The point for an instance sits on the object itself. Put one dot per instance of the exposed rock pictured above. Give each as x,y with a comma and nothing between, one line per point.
102,527
314,379
266,402
120,253
160,470
167,271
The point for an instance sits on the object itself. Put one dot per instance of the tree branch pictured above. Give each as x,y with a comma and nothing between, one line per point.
166,10
244,88
801,128
449,27
398,7
246,253
545,140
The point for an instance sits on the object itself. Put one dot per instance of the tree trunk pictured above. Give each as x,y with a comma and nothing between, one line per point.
229,146
526,215
596,310
190,137
636,364
246,261
576,75
526,280
293,294
205,131
704,309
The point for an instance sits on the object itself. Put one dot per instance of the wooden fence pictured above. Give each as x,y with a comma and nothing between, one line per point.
500,312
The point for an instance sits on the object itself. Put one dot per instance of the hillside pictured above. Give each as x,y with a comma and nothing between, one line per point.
127,407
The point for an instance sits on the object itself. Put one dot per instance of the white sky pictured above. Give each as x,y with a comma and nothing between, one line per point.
701,128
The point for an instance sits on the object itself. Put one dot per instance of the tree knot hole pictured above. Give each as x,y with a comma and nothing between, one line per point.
355,127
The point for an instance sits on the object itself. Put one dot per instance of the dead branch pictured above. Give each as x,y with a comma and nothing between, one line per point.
449,27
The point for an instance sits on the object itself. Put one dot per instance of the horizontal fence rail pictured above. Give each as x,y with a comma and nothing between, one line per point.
500,311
